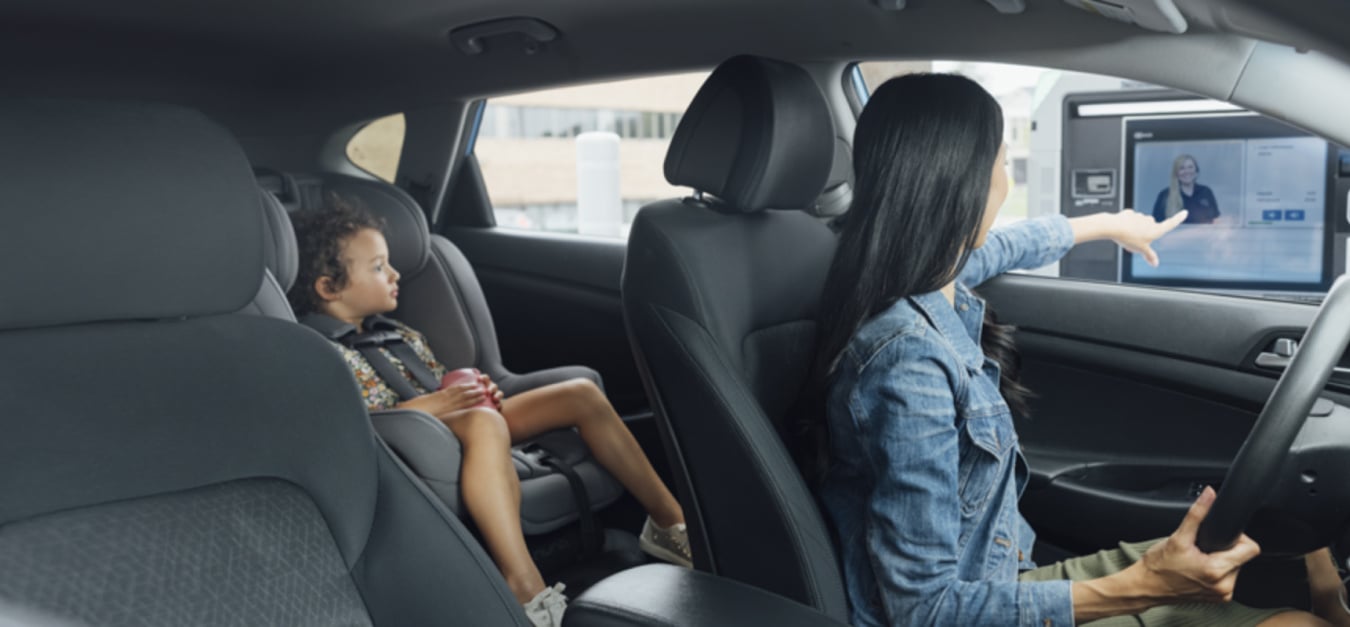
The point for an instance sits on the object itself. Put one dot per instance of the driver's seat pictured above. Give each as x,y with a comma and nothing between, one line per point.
165,460
720,293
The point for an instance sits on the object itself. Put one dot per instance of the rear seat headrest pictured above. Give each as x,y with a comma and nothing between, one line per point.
758,135
123,211
281,254
281,185
405,225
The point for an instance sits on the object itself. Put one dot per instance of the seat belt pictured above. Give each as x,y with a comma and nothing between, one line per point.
369,344
592,536
383,334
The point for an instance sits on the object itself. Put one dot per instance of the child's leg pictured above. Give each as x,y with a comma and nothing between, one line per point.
579,403
491,493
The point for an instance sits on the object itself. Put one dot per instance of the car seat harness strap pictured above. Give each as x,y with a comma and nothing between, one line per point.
592,536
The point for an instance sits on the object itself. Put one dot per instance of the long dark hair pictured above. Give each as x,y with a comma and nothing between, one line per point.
923,152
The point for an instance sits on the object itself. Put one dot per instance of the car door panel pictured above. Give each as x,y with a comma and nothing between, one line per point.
1144,396
555,300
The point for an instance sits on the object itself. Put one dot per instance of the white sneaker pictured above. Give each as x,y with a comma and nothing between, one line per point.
670,544
546,608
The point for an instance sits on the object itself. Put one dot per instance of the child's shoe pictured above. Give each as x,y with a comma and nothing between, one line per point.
670,544
546,608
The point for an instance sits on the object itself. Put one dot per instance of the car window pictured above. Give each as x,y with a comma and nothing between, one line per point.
1266,201
581,159
376,147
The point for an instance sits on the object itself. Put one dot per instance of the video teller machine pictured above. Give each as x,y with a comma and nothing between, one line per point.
1266,203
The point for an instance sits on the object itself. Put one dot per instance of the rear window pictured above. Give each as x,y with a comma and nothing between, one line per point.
581,159
376,147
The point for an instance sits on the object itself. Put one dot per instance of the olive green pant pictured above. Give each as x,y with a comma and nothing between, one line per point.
1104,563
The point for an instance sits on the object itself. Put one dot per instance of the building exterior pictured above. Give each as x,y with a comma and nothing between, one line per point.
526,146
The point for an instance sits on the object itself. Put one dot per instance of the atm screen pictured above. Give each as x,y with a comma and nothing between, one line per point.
1255,192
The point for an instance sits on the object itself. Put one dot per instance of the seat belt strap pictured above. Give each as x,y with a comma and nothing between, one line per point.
388,371
413,362
592,536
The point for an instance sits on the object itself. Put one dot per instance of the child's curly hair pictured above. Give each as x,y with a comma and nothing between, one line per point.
320,235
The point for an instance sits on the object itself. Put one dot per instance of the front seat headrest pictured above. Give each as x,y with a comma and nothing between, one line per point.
758,135
163,220
838,193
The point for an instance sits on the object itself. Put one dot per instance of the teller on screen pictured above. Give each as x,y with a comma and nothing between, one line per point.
1184,193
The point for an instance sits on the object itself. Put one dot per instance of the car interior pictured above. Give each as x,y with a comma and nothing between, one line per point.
175,449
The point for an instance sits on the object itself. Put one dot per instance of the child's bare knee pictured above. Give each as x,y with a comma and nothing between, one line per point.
479,424
586,394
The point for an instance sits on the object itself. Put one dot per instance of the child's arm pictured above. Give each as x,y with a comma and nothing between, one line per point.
444,402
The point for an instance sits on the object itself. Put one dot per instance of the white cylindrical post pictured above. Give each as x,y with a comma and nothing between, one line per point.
599,205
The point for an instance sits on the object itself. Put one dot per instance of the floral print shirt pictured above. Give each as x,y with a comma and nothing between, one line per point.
374,391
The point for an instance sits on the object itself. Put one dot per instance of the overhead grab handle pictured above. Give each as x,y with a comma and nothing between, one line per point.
471,39
1157,15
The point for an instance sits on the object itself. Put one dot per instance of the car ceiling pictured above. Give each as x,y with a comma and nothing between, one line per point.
279,66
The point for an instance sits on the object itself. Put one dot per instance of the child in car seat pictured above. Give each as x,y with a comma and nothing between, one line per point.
345,277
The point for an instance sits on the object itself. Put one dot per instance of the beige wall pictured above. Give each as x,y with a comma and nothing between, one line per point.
876,72
544,170
521,171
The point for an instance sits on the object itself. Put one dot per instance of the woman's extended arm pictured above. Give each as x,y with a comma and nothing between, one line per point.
1037,242
1134,231
1020,246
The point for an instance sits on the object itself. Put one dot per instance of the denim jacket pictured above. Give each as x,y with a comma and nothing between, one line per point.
926,470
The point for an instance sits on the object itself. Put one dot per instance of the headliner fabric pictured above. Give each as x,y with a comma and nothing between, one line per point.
758,135
121,211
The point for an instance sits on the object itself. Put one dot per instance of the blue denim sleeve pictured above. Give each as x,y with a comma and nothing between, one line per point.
1022,246
905,408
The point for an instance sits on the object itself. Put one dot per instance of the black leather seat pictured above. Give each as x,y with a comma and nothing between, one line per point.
721,293
166,460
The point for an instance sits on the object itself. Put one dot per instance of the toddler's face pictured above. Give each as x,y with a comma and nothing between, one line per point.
372,284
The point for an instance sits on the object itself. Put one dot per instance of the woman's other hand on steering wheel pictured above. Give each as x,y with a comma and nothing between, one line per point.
1175,568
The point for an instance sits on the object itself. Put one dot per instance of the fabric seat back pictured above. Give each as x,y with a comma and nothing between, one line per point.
165,459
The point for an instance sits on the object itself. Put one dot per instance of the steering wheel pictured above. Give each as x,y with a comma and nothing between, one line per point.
1254,474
